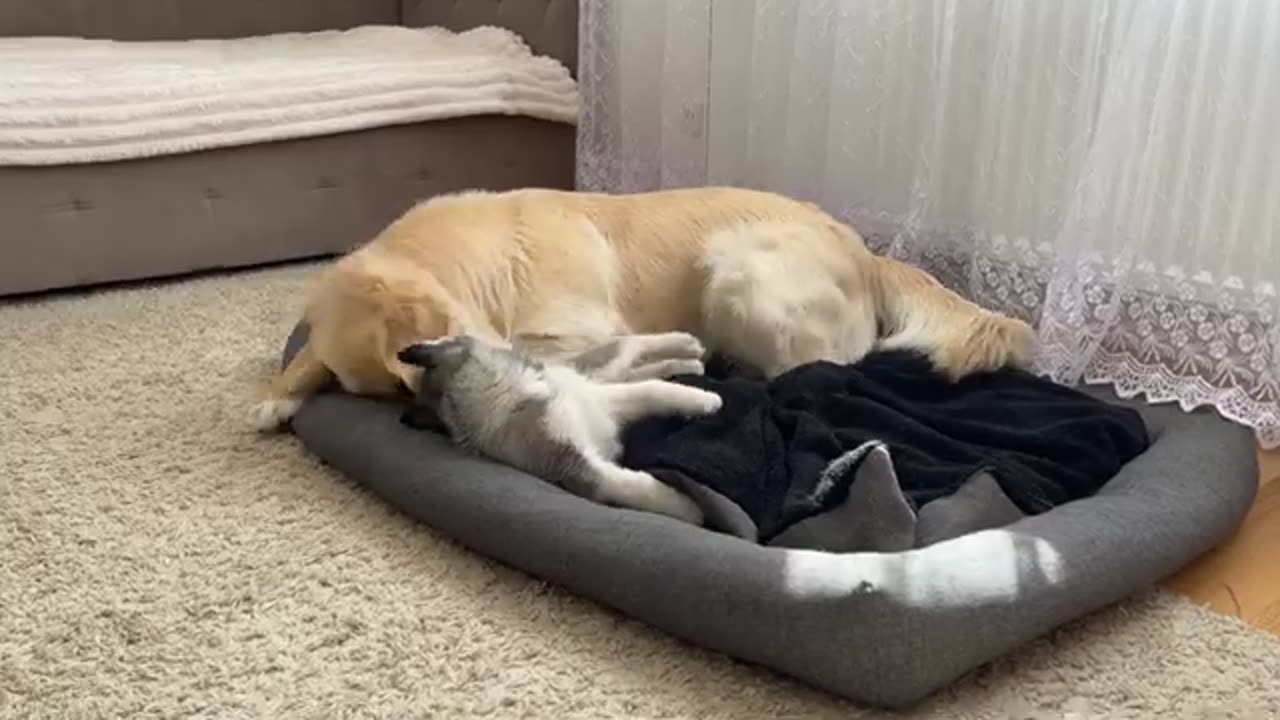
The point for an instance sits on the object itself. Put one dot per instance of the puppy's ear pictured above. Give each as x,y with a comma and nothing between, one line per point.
419,354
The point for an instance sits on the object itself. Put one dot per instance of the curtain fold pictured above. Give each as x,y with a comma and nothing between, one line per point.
1108,169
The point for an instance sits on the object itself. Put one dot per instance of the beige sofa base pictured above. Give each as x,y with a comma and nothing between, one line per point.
74,225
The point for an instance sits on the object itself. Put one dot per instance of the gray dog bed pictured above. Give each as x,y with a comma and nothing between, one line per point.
879,628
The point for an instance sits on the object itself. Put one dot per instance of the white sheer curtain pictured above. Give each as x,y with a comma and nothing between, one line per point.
1109,169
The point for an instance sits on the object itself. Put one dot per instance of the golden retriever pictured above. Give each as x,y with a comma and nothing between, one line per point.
769,281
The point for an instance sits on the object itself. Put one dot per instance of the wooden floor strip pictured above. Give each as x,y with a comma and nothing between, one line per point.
1241,577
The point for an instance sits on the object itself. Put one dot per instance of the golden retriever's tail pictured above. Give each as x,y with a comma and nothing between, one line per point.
304,376
916,312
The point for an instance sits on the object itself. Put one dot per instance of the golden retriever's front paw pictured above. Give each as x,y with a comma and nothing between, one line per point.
269,415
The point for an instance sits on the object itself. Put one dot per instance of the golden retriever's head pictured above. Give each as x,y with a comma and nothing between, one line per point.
365,310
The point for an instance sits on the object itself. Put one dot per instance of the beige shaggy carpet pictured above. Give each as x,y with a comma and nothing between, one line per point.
157,559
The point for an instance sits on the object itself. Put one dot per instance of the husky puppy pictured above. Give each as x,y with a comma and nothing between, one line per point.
561,421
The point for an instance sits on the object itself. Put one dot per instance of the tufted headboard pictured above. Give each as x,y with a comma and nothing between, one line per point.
188,19
549,26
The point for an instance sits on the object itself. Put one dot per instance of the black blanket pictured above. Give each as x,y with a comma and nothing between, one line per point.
790,449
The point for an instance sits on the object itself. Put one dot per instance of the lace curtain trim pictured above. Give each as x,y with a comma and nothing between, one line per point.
1120,322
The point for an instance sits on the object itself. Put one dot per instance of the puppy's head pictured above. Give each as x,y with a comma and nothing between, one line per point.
436,360
434,363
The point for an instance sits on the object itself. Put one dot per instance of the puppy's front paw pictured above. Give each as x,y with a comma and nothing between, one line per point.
705,403
684,345
663,370
269,415
673,368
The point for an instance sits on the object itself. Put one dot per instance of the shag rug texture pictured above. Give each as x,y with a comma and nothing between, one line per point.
160,559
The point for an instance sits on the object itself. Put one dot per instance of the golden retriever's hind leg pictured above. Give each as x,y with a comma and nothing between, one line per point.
772,305
993,341
960,337
304,375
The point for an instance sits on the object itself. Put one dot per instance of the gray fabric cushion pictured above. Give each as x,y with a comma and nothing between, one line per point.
880,628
